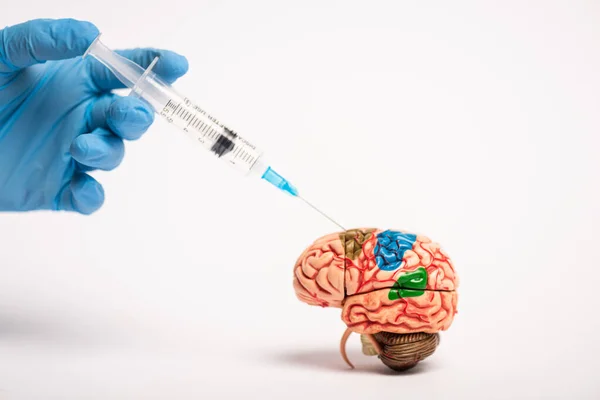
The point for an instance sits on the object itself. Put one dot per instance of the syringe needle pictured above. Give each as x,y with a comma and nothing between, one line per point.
320,212
280,182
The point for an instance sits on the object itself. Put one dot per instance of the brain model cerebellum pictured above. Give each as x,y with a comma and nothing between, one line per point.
396,289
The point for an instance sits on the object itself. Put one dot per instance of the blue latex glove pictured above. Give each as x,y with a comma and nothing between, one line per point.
59,119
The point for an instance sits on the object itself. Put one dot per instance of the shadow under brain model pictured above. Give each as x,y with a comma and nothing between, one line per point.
325,359
396,289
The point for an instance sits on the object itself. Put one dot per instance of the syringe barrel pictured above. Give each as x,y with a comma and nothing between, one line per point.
181,112
199,125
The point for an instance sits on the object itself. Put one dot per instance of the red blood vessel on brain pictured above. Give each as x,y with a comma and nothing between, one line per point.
396,289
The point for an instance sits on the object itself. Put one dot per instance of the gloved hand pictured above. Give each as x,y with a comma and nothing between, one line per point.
59,119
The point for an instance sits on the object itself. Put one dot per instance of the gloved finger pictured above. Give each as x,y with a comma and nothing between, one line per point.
169,67
40,40
127,117
83,168
99,150
83,195
97,111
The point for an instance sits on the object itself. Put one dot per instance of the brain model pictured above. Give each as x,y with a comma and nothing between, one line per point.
396,289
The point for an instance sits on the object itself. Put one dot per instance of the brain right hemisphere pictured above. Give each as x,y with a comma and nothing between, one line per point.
384,280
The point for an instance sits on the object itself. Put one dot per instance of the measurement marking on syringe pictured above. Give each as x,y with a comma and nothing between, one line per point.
209,132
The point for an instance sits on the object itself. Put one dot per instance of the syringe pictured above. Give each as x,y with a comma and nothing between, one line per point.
203,128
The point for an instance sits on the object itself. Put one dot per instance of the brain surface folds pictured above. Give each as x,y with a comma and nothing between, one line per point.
374,312
384,280
319,273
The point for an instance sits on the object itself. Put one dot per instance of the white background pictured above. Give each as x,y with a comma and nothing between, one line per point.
475,123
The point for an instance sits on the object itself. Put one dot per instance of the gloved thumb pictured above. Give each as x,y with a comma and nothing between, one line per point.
42,40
